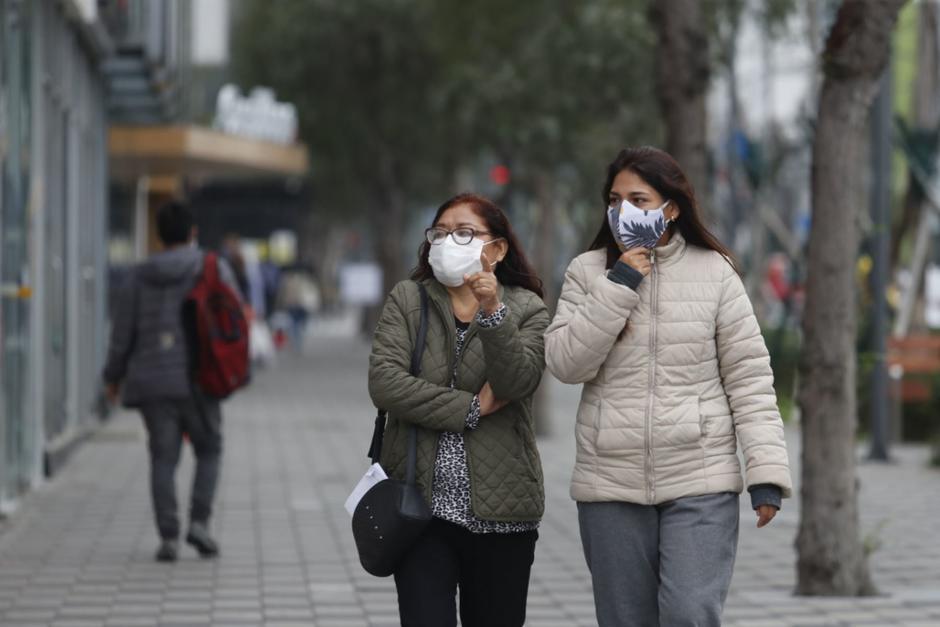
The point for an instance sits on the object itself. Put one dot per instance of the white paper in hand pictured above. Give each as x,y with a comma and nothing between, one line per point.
373,475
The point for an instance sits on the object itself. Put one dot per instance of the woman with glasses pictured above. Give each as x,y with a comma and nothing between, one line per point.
477,460
654,321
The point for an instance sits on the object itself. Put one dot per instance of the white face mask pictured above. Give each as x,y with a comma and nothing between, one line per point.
637,228
450,260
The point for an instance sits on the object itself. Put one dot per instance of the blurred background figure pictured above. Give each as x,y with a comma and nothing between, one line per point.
150,367
263,349
298,295
232,252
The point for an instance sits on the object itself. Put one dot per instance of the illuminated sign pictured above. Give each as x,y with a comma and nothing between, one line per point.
258,115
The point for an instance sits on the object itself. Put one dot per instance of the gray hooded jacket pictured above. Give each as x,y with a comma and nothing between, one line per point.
148,354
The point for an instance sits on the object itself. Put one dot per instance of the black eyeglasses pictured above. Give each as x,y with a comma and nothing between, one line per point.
463,236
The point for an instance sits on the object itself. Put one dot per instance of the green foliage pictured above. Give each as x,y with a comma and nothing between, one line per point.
872,541
724,17
537,80
922,418
366,85
787,404
784,347
397,96
431,85
905,59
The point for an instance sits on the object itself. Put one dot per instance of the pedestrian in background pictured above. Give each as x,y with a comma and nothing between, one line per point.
655,322
477,461
149,365
233,253
299,296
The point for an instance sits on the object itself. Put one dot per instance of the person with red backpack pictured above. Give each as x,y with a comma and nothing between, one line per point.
178,346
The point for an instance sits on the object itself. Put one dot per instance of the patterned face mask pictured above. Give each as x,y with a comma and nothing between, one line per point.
636,228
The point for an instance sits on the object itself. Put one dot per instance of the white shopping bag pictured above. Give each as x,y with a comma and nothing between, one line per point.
373,475
261,343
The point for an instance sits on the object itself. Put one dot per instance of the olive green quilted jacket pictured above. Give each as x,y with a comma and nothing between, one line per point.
505,469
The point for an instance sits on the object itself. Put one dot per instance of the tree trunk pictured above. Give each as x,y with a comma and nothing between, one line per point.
388,234
831,557
327,259
545,228
544,261
926,115
682,80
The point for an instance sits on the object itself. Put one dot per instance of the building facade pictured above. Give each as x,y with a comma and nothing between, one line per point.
52,219
96,130
68,66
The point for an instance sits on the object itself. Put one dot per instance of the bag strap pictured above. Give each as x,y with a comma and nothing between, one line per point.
378,433
210,267
415,371
422,333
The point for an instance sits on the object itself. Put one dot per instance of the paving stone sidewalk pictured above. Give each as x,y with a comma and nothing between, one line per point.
79,552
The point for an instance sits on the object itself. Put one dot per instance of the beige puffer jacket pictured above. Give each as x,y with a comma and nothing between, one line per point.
665,405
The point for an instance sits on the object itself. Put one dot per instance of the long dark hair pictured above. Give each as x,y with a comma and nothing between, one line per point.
514,269
661,172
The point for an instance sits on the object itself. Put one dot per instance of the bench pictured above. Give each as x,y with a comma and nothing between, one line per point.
912,355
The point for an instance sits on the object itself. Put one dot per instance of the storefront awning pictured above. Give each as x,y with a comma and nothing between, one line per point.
201,153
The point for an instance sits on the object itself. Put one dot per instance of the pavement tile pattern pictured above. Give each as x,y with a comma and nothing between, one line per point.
79,550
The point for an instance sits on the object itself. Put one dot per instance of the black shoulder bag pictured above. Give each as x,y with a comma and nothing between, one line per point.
393,514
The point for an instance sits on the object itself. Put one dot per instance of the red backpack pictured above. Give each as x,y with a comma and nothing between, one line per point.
218,332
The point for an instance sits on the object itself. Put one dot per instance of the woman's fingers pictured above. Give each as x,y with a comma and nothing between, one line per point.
492,407
484,286
765,513
480,280
638,259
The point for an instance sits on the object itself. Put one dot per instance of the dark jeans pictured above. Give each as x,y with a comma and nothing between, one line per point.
491,570
166,422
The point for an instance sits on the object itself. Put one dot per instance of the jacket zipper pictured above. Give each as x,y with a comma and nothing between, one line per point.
654,298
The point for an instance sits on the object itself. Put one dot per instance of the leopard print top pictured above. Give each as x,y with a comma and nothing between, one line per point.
450,497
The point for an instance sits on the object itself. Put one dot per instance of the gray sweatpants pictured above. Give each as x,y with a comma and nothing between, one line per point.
166,422
663,565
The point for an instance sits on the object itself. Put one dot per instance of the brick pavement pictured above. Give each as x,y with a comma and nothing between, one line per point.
79,551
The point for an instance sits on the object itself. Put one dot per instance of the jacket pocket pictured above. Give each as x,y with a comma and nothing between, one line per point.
702,419
527,449
621,430
715,418
680,425
587,426
589,414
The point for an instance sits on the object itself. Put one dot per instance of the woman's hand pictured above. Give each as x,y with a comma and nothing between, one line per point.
112,392
765,513
488,401
638,259
485,287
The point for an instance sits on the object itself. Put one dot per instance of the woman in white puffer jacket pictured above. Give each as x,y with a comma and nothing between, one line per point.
655,322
